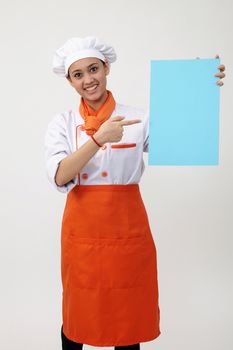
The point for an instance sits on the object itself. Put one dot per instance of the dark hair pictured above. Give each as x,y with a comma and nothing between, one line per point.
68,76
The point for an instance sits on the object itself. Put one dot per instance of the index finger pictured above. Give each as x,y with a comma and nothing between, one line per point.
130,121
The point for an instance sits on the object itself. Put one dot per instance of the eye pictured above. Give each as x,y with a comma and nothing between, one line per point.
95,68
76,74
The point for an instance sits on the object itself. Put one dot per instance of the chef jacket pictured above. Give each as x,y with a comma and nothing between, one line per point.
115,163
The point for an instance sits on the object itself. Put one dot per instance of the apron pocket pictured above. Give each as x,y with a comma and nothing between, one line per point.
109,263
84,263
124,262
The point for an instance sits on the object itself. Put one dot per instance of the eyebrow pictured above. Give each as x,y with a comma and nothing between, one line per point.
77,70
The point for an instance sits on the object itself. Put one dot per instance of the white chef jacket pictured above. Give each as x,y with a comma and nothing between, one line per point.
109,165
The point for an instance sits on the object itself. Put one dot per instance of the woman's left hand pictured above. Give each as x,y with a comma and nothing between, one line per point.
219,74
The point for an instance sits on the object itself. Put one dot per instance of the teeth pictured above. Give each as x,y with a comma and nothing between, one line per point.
91,88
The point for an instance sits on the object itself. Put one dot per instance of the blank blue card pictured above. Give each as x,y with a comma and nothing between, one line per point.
184,112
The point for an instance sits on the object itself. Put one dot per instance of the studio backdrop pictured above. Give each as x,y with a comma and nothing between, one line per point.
189,207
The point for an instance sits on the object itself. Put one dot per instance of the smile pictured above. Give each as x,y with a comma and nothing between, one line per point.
92,88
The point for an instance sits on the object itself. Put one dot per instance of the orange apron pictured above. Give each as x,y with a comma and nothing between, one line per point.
108,267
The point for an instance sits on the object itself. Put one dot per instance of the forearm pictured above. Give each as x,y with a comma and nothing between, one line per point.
70,166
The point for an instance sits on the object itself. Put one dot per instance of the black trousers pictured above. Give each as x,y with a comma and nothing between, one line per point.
68,344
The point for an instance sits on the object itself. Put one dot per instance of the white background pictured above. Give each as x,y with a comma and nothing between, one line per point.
190,208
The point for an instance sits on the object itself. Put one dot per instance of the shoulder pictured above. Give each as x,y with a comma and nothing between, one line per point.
65,119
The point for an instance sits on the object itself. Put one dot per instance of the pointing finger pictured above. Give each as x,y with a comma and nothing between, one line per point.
117,118
130,122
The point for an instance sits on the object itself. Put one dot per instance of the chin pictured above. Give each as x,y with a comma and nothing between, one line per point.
94,97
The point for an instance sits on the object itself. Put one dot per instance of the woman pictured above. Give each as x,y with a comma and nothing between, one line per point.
108,255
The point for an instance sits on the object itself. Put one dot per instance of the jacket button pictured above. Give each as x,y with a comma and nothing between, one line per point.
104,147
104,173
84,176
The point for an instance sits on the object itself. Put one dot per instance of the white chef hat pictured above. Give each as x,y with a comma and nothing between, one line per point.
76,48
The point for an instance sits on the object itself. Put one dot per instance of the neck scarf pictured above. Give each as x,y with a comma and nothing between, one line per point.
94,119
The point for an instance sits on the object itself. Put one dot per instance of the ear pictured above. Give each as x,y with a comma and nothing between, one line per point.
69,80
107,67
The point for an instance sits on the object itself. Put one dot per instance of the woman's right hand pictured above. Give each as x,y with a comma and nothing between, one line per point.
112,129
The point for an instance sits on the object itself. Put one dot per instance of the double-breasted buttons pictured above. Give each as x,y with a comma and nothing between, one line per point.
84,176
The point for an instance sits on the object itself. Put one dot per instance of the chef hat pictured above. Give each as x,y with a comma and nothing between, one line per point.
76,48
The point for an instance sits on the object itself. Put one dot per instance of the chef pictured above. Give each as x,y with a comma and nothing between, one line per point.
94,154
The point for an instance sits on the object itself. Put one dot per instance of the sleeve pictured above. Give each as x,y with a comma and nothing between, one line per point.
146,131
57,148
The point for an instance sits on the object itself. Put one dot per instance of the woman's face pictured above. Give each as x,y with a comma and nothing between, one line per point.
88,77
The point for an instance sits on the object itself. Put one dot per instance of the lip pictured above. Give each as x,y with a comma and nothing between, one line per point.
92,91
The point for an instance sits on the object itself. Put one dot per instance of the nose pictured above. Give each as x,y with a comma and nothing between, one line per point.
88,80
